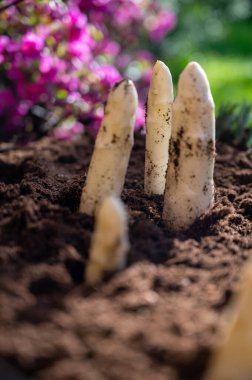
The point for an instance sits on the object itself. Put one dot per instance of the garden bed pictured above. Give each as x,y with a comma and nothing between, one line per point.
160,318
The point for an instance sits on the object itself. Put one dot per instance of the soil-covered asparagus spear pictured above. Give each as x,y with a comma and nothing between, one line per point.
233,358
189,190
158,129
110,242
106,173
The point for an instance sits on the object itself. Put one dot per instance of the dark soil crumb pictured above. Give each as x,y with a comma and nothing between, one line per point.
157,320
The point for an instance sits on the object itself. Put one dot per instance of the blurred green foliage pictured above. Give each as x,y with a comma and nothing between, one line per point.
217,34
234,123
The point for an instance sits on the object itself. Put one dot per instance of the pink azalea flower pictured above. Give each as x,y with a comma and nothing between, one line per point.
140,118
72,52
7,100
111,48
31,44
77,49
145,55
70,83
75,22
108,75
69,132
164,22
126,13
15,73
23,108
51,67
32,92
4,42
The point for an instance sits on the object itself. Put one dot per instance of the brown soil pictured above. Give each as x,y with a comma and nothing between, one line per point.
158,319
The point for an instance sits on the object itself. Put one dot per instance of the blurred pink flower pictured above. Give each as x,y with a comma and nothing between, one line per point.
145,55
31,91
81,48
75,22
69,132
123,60
110,47
128,12
15,73
4,42
51,67
163,23
31,44
73,97
85,5
69,82
101,3
147,75
108,75
7,100
140,118
67,54
23,108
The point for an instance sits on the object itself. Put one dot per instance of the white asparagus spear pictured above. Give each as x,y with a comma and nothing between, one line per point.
158,129
110,243
233,359
189,190
114,142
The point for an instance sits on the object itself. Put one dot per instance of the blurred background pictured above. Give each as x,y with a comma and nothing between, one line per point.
217,34
59,58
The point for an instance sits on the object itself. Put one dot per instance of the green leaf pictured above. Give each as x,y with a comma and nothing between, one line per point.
61,94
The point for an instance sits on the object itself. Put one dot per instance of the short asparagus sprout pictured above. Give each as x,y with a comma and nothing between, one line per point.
158,129
114,142
110,244
189,189
233,359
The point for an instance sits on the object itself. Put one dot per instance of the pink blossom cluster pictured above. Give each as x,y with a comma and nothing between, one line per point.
58,60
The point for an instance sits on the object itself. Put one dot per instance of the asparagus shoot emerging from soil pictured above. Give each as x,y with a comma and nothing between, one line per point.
110,244
114,142
158,129
233,359
189,189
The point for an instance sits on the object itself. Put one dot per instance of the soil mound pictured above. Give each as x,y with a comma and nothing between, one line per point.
158,319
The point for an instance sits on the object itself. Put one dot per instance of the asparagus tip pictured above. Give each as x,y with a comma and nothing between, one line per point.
193,82
161,87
